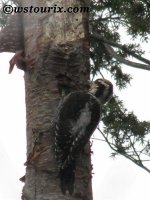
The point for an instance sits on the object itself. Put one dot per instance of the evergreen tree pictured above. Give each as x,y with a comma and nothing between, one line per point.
124,133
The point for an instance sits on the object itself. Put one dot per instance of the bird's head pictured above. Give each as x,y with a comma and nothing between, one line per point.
102,89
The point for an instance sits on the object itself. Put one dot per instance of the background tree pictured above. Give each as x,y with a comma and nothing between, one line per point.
123,132
59,45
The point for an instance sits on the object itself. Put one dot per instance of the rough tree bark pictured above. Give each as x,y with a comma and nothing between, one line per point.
59,44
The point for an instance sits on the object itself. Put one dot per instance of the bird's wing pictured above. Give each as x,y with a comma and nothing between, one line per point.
77,119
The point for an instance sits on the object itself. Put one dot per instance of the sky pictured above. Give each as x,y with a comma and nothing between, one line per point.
113,179
119,178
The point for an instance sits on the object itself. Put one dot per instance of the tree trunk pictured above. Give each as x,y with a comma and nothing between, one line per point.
59,44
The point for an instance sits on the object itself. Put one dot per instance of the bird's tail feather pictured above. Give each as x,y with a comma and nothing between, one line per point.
67,178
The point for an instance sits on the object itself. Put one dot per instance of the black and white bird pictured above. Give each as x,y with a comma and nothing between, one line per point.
77,118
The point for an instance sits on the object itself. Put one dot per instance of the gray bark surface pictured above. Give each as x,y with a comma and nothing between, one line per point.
59,43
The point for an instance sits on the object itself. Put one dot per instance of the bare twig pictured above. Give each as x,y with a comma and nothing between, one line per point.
115,44
124,61
137,162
